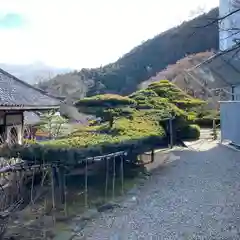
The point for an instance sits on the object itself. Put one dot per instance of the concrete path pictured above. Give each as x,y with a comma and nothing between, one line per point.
196,196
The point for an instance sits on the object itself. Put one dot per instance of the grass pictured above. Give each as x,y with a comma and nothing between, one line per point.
96,198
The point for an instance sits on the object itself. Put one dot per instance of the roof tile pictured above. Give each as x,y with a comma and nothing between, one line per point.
14,92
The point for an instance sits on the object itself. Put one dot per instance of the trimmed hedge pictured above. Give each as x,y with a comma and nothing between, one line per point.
37,153
136,128
190,132
206,122
105,101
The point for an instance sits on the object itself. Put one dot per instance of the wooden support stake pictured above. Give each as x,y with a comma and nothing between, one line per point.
113,180
171,132
107,176
61,184
65,195
32,186
53,188
214,130
86,183
152,156
122,174
53,193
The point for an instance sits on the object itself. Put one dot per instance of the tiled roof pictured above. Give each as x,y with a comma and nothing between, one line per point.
15,93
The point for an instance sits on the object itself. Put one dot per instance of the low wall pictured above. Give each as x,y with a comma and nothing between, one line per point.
230,119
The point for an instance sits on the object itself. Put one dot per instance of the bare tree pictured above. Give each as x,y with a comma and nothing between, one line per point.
43,78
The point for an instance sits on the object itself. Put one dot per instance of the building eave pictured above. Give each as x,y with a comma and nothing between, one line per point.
32,108
230,101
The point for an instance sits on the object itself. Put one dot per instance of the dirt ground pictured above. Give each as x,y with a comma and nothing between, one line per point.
192,194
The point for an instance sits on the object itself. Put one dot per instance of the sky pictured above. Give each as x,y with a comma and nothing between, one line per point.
85,33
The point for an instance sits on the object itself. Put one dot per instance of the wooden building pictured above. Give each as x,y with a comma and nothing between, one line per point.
17,97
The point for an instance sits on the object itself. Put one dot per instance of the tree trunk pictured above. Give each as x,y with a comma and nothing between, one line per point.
111,120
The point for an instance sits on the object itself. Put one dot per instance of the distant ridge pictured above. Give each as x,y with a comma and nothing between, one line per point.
143,62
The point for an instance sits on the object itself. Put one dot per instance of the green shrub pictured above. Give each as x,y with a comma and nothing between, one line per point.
164,81
134,123
175,95
190,132
105,100
207,123
29,141
64,153
106,106
142,94
204,118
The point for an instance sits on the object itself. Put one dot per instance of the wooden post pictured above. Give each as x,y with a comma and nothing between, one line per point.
86,183
53,188
122,174
233,92
113,180
53,194
32,186
65,195
152,156
214,130
61,184
106,182
171,132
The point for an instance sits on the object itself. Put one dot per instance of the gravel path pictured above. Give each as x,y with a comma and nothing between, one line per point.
194,197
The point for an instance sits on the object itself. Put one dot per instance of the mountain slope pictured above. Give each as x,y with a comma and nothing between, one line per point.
144,61
175,73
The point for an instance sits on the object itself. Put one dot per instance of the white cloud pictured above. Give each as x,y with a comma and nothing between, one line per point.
87,33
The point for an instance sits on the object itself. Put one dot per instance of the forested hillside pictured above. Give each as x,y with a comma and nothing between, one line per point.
175,73
141,63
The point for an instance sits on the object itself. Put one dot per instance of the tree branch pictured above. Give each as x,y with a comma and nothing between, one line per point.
216,20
